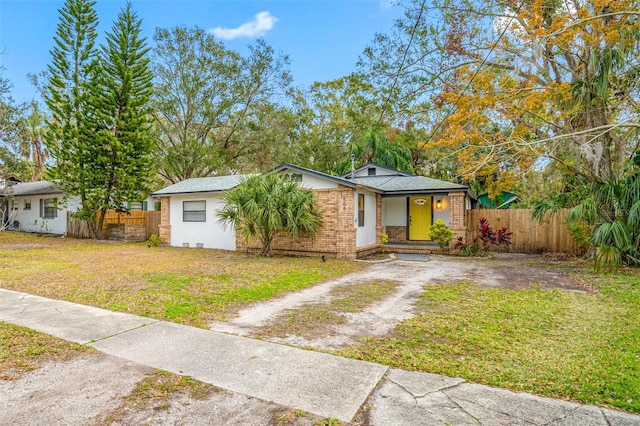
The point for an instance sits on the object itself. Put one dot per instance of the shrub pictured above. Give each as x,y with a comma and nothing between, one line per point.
154,240
440,234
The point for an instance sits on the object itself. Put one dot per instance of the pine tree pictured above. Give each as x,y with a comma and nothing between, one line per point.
119,120
66,92
100,134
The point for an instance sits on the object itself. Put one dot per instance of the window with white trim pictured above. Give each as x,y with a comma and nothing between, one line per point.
360,210
48,208
27,204
194,211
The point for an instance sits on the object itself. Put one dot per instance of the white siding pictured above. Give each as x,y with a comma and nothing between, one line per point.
211,233
379,172
366,235
30,220
394,211
444,212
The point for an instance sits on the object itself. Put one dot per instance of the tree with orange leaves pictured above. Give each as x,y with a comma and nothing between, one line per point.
512,85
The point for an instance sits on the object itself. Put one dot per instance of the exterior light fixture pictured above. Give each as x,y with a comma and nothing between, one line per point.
438,204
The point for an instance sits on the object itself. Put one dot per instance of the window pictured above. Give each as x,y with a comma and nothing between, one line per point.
138,205
372,171
14,205
194,211
296,177
360,209
48,208
27,204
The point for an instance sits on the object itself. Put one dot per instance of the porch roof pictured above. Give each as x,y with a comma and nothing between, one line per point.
399,185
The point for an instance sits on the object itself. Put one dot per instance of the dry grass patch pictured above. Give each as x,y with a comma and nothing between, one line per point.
190,286
318,319
23,350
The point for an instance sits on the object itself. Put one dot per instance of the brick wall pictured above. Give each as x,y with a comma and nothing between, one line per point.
458,211
164,230
397,234
335,238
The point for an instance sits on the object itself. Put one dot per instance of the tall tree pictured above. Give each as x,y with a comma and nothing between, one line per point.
520,85
66,95
208,100
12,126
376,148
119,122
100,133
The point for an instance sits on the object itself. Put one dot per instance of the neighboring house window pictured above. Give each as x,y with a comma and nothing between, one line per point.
48,208
14,205
138,205
360,209
27,204
194,211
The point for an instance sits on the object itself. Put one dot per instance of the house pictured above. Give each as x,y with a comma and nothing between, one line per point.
505,200
355,210
38,207
42,207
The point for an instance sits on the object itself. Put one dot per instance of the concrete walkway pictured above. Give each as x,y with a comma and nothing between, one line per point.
321,384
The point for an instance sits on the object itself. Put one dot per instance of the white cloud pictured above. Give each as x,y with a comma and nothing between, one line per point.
258,26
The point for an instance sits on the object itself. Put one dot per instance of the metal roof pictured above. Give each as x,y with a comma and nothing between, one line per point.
407,184
42,187
205,184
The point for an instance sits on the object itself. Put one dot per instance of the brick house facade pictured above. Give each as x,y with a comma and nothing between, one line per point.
355,211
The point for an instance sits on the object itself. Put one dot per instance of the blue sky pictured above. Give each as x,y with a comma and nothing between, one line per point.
323,38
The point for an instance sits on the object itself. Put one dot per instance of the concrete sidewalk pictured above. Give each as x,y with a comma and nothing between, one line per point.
321,384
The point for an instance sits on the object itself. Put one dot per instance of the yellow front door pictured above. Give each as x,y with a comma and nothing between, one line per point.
419,218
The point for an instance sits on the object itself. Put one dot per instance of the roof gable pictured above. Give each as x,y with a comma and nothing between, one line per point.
336,179
380,171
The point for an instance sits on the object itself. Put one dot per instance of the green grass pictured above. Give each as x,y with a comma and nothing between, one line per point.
188,286
569,345
22,350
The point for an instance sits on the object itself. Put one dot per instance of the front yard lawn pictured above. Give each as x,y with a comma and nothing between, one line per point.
550,342
189,286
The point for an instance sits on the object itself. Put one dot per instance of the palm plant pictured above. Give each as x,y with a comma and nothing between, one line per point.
263,206
613,212
375,148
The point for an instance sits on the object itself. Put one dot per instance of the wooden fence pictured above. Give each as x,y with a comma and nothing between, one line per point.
151,219
529,235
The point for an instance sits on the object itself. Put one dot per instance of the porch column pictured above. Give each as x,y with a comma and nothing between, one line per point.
345,229
165,221
378,218
458,212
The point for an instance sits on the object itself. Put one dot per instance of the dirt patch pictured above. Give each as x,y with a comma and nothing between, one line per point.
268,320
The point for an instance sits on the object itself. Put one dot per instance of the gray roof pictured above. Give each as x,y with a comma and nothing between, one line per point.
408,184
42,187
205,184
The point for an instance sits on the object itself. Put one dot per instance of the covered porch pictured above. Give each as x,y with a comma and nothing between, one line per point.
407,218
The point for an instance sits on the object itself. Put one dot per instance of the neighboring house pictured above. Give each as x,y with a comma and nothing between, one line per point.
505,200
42,207
38,207
355,210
